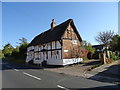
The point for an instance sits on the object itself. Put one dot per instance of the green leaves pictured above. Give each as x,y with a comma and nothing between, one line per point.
8,48
87,46
115,43
19,52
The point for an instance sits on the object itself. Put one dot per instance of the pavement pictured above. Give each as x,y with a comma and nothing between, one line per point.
104,73
18,76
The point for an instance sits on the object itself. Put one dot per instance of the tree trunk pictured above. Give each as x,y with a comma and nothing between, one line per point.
104,57
108,54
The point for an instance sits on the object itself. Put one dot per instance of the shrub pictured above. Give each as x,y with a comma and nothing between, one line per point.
114,57
95,55
109,61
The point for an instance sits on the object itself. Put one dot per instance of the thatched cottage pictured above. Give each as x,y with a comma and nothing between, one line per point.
56,46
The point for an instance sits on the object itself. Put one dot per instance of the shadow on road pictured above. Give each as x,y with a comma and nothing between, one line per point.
112,73
9,65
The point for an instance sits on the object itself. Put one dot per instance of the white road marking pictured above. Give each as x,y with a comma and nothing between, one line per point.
16,69
62,87
31,76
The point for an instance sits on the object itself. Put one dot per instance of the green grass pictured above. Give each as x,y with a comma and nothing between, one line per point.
13,60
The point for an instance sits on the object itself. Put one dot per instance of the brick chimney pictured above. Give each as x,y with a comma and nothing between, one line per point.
53,24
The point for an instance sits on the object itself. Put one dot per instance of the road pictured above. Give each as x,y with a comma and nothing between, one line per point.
18,76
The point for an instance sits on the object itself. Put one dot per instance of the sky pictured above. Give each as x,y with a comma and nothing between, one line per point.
28,19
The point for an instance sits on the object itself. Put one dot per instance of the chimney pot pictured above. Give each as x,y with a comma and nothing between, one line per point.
53,24
52,20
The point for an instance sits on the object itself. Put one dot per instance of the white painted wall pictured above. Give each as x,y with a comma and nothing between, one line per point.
51,59
72,61
37,61
53,45
40,48
49,45
49,54
46,46
59,57
58,44
55,62
63,61
36,48
30,48
30,56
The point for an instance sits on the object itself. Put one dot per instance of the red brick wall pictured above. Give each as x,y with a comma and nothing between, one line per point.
68,45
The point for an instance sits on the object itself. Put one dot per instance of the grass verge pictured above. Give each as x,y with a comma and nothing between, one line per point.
93,67
13,60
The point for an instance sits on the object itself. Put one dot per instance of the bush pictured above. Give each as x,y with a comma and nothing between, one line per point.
89,55
1,54
109,61
114,57
95,55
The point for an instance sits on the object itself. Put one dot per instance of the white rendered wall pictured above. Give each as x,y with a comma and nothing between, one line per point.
63,62
53,45
72,61
58,44
52,60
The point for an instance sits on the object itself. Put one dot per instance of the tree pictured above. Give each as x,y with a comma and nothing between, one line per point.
104,38
15,52
22,41
81,51
23,50
115,44
87,46
1,54
7,50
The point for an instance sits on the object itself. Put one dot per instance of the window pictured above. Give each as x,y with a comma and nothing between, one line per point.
68,34
55,54
74,41
36,55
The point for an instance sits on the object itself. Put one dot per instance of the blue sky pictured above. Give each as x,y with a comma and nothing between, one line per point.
28,19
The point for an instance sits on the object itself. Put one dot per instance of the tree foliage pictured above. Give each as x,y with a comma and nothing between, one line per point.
23,50
87,46
90,50
22,41
115,46
8,48
1,54
16,53
115,43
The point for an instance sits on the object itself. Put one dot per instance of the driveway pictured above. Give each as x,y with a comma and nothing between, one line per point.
76,69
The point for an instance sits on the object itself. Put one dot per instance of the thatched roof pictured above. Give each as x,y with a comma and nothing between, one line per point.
55,34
